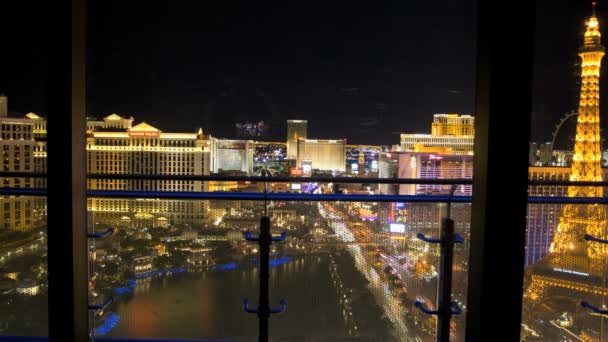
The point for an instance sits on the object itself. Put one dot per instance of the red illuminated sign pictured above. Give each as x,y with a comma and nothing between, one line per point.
144,134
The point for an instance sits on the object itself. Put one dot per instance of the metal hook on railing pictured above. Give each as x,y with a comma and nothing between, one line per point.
425,310
280,237
283,306
250,237
427,239
457,238
280,309
455,309
594,309
595,239
246,307
100,235
101,306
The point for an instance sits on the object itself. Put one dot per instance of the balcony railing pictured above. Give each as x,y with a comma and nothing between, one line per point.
176,265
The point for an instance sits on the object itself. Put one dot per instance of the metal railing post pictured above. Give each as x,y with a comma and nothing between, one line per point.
445,307
264,311
264,305
602,312
444,286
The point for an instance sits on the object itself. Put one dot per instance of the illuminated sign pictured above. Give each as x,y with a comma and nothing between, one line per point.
435,157
306,167
296,186
571,272
144,134
374,165
397,228
295,171
412,162
399,205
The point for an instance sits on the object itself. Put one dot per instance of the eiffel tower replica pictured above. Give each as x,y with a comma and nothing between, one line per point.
574,267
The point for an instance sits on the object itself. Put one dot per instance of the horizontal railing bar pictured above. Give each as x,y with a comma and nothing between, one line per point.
276,196
288,179
22,174
567,200
23,191
566,183
277,179
284,179
285,196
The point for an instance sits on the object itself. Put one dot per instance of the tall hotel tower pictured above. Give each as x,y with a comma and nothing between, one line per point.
296,129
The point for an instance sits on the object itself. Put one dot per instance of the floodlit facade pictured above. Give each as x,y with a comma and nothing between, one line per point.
433,166
18,146
450,134
388,167
453,124
116,147
450,144
296,129
231,155
327,155
112,121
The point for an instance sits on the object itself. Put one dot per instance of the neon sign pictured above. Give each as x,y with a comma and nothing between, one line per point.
571,272
144,134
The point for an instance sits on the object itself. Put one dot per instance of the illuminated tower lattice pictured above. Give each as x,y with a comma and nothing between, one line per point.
569,254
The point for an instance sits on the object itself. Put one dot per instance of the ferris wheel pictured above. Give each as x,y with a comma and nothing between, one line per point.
565,118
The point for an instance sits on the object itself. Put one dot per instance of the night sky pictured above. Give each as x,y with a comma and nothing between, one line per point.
361,73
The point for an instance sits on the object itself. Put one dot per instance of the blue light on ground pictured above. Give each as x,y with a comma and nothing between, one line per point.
123,290
126,289
226,267
108,325
280,261
274,262
131,283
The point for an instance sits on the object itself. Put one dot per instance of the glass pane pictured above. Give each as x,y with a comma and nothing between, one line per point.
23,266
565,275
23,223
220,90
560,275
176,269
359,273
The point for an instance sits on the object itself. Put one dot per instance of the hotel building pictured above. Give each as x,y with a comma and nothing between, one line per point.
434,166
116,147
451,134
423,217
228,155
296,130
18,145
327,155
